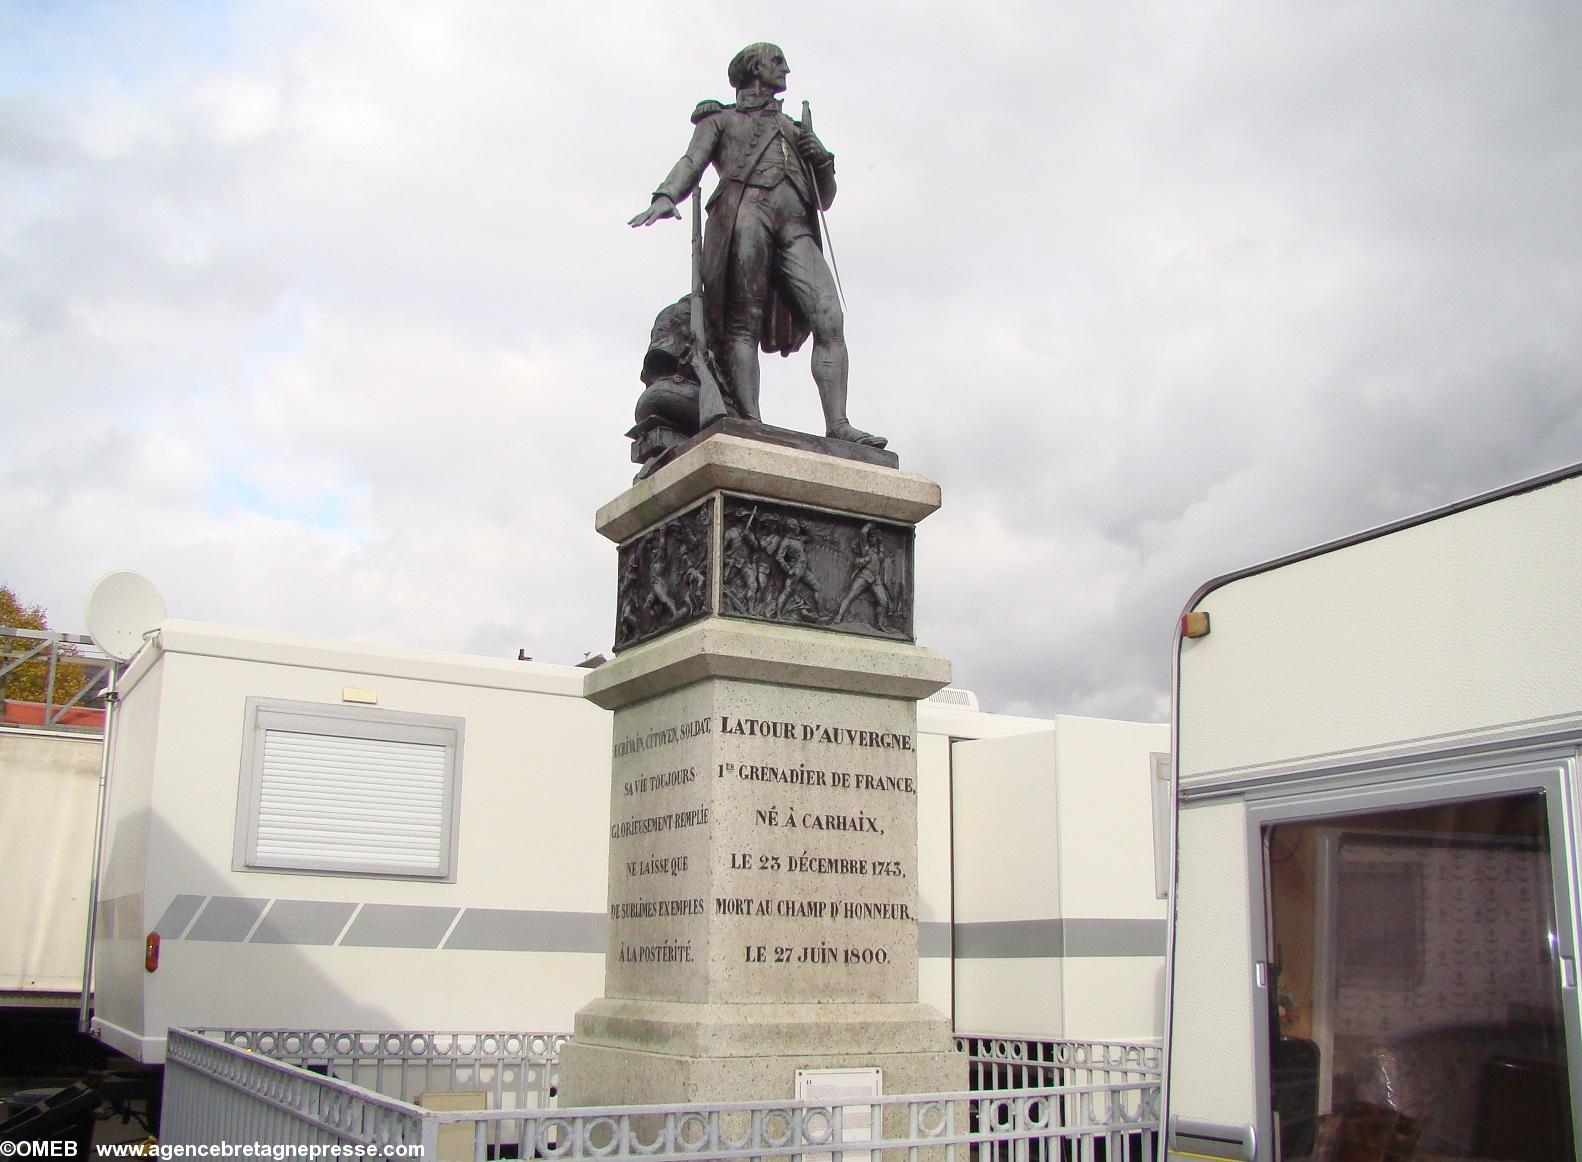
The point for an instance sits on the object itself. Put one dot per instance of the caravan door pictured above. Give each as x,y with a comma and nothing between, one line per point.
1415,947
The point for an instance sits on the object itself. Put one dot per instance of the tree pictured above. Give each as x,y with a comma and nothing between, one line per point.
27,682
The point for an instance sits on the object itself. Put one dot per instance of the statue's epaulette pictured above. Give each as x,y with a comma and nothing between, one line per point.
707,108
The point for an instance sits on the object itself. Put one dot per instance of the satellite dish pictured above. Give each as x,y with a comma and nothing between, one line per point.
122,608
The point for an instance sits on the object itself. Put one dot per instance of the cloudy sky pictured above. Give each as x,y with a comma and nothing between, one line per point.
325,316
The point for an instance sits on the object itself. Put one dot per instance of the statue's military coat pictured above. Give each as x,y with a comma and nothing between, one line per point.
735,140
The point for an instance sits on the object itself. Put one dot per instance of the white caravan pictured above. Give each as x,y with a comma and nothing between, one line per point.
1375,936
312,834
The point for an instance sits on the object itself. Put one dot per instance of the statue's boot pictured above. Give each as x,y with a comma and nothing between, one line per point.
845,430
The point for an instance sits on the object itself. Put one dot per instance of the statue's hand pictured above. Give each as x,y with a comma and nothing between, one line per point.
659,209
812,149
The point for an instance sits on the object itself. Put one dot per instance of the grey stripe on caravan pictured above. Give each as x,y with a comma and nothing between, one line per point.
120,914
1087,937
507,930
303,922
309,922
227,918
177,916
1020,939
933,938
316,922
399,926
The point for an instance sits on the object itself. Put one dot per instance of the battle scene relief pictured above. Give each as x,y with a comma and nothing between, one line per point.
664,577
787,564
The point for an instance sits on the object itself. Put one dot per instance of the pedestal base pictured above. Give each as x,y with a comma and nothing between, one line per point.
763,898
636,1052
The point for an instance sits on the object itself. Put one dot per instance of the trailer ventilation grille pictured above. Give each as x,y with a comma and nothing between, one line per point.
952,696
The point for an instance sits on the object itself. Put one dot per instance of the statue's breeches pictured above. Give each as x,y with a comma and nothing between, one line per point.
773,244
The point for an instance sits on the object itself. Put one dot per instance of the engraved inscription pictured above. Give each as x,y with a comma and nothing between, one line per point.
763,850
669,821
662,818
661,737
817,887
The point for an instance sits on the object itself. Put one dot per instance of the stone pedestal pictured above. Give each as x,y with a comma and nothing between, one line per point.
763,823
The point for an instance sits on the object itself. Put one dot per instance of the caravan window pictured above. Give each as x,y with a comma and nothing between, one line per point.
1162,794
1418,965
332,789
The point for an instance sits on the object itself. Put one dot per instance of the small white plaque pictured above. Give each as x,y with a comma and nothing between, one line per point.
837,1087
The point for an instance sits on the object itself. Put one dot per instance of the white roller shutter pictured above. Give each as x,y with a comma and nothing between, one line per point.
352,802
350,790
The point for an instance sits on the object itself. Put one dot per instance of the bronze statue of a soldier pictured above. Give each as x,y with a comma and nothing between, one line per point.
765,279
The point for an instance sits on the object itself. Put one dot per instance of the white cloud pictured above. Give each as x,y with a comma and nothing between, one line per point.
326,317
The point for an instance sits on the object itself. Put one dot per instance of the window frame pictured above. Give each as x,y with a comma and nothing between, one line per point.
262,715
1161,796
1489,773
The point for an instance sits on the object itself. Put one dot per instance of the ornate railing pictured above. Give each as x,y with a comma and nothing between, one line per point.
1116,1123
1022,1062
218,1093
516,1070
230,1088
233,1090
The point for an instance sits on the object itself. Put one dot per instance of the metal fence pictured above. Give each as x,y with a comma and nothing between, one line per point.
233,1090
1081,1123
217,1093
1023,1063
514,1070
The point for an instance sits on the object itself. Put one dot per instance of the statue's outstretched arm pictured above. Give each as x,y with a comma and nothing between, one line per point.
683,176
660,208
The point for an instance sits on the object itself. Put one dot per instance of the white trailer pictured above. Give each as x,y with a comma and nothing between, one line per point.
1375,893
1058,918
311,834
304,833
51,755
49,787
